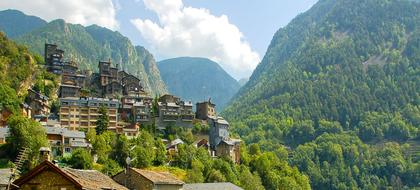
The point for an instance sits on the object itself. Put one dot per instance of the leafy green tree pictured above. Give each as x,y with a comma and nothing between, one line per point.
216,176
102,122
160,151
300,132
103,145
8,99
144,153
398,130
248,180
120,149
81,159
25,133
195,174
111,167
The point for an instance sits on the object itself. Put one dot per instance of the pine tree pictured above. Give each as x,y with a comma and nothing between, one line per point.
103,121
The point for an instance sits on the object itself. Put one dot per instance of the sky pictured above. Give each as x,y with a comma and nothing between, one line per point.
234,33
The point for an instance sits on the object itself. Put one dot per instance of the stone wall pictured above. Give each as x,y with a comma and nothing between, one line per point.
48,180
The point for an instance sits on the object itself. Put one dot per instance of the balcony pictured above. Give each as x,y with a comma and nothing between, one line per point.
170,117
188,117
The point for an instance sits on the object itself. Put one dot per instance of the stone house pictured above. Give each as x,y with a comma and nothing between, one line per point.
139,179
49,176
38,102
229,148
204,110
53,59
220,142
114,82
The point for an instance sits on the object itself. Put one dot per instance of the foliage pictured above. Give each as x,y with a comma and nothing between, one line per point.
343,70
143,152
111,167
120,150
81,159
103,120
25,133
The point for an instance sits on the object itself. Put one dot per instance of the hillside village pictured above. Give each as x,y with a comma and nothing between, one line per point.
85,97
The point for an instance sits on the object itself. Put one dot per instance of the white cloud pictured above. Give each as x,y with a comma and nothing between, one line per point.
188,31
85,12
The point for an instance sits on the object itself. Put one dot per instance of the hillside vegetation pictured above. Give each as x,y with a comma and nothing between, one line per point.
340,86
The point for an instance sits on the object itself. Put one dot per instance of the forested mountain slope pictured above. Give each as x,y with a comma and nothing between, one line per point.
88,45
337,85
198,79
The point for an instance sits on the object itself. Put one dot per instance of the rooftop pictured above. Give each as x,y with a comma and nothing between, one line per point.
159,177
4,176
92,179
211,186
65,132
4,131
82,179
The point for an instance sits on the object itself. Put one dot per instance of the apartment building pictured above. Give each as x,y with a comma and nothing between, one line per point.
173,109
82,113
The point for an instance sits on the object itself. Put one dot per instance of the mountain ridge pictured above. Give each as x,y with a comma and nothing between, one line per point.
198,79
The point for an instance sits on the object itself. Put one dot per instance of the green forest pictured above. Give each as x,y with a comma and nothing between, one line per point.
339,87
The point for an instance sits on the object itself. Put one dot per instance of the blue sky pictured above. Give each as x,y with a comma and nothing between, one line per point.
233,33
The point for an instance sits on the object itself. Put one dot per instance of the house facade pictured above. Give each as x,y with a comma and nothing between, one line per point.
49,176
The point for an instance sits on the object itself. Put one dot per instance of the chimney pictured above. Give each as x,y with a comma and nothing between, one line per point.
45,154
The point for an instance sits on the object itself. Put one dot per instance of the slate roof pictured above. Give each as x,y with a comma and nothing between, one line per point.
211,186
65,132
92,179
4,176
174,143
159,177
82,179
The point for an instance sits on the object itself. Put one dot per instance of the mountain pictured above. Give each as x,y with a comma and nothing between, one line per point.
88,45
198,79
15,23
340,85
243,81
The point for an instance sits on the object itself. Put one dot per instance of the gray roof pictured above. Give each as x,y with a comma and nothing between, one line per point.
211,186
4,176
74,134
175,142
4,132
65,132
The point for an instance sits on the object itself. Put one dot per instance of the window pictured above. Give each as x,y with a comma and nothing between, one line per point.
68,150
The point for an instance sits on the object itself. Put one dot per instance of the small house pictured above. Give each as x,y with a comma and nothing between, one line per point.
49,176
139,179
